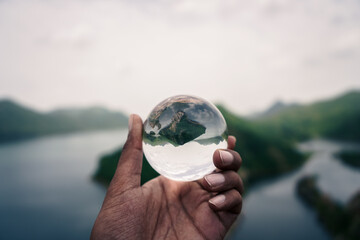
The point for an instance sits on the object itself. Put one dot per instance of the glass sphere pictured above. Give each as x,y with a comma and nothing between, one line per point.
180,136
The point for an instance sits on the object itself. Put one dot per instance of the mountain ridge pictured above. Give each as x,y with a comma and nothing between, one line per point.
335,118
19,122
276,107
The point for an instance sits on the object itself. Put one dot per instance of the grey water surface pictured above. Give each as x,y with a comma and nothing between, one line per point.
46,191
273,211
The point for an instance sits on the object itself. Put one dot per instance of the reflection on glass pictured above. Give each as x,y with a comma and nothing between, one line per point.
181,135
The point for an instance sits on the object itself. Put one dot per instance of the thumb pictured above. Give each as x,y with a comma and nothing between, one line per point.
128,172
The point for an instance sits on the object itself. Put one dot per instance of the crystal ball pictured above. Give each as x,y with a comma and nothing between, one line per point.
180,136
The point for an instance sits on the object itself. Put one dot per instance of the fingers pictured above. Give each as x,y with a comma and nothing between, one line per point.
231,142
227,201
227,160
128,171
226,180
230,186
223,181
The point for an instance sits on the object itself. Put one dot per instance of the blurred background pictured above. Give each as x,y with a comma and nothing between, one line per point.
285,75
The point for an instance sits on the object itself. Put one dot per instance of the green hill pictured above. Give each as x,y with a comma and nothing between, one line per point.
107,166
263,157
337,118
267,143
19,122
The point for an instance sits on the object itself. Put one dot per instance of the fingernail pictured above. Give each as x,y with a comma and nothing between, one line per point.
215,180
226,157
218,200
131,121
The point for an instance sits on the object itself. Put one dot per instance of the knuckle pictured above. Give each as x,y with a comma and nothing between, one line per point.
241,185
240,198
237,202
238,185
237,156
236,196
233,177
237,159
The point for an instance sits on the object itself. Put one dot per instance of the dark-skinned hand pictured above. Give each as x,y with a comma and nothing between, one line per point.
166,209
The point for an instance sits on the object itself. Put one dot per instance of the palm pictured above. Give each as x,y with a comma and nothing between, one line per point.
182,211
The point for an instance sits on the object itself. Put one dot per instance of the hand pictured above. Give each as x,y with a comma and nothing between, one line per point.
166,209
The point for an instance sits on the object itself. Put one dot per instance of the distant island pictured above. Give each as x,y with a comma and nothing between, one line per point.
18,122
343,222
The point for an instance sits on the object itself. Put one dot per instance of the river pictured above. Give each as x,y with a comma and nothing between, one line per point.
273,211
46,191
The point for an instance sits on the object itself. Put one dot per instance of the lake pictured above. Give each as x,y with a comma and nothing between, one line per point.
47,192
46,187
273,211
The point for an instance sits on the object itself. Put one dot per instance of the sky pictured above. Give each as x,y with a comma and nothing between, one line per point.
131,54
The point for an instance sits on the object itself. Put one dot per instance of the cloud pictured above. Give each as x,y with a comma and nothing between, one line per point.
133,54
77,36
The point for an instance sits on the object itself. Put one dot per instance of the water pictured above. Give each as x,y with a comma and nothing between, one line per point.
272,209
46,188
46,191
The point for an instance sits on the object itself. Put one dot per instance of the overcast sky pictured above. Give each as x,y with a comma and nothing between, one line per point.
130,55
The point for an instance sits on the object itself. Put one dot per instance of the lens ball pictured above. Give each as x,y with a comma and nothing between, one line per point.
180,136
